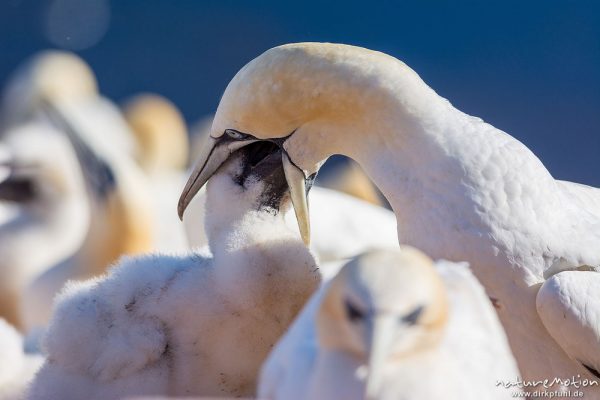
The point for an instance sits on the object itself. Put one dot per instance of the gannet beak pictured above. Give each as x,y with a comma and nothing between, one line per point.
297,183
214,153
381,342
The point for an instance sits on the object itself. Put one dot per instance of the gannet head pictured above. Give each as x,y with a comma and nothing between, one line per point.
40,168
52,75
296,96
383,305
161,133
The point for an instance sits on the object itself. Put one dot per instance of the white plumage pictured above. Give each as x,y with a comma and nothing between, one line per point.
187,325
342,226
569,306
460,188
48,210
395,326
16,368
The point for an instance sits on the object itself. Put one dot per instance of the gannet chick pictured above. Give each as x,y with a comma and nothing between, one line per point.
393,325
460,188
49,217
188,325
16,368
162,153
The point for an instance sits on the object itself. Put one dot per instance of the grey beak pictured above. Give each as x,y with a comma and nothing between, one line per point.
214,153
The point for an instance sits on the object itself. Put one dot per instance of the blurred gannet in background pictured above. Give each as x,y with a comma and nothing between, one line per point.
17,369
49,216
162,152
120,221
66,80
461,189
393,325
188,325
348,177
58,89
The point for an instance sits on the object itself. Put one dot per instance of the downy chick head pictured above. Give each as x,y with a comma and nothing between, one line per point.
384,305
251,183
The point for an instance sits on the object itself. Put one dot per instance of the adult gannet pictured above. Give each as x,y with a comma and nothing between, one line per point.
393,325
66,80
16,368
162,152
120,221
49,216
460,188
348,177
188,325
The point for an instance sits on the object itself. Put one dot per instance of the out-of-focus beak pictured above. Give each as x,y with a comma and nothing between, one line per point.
214,153
381,342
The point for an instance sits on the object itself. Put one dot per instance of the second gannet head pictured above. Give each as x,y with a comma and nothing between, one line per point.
306,98
51,75
160,131
383,306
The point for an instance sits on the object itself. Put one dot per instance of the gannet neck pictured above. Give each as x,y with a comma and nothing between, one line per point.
338,99
240,222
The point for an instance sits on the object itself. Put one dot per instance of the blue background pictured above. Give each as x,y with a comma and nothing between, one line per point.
529,68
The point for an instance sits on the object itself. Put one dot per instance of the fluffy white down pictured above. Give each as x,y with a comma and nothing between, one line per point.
16,368
473,355
342,226
182,325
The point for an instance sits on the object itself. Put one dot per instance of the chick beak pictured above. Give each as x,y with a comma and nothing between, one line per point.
297,183
214,153
381,343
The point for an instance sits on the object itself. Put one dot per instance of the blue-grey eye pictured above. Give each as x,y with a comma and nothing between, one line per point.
412,317
232,133
352,312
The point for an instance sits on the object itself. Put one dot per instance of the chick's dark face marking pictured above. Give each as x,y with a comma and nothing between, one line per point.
261,162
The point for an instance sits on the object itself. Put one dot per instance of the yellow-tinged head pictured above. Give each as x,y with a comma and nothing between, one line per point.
383,305
160,131
307,98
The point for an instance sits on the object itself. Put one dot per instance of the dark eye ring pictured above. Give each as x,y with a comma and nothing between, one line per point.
352,312
236,135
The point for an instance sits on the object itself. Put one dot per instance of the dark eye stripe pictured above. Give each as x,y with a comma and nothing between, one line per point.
352,312
413,316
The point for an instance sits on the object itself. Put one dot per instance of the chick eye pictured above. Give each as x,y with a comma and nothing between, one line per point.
232,133
412,317
352,312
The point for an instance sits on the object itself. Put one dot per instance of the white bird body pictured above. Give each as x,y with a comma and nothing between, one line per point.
17,369
569,306
46,227
471,356
460,188
183,325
